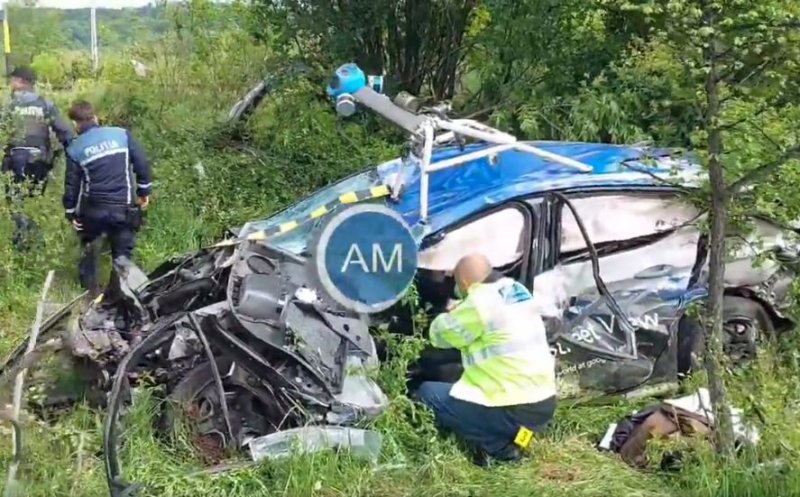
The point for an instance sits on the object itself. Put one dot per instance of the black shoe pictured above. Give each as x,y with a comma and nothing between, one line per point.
480,458
511,454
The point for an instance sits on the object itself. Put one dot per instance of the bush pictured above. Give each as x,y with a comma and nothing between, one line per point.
51,69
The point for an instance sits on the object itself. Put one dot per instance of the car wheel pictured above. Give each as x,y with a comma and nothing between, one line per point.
195,400
745,325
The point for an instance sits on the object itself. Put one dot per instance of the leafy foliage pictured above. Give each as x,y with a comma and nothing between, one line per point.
418,44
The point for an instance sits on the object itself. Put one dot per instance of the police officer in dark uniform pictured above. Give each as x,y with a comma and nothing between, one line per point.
29,155
107,184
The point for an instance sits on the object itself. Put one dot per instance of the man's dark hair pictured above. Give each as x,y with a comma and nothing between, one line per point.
81,112
24,73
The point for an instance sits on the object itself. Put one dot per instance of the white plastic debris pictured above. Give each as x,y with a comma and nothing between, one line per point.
360,397
140,69
700,403
306,295
311,439
201,171
605,443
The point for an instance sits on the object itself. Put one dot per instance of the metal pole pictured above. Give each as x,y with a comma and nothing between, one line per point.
95,54
427,152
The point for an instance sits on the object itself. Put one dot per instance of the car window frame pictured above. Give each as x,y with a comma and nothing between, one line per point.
602,248
530,224
542,206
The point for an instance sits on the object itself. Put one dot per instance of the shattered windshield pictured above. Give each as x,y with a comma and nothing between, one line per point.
296,241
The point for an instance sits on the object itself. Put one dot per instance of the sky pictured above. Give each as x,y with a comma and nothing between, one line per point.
77,4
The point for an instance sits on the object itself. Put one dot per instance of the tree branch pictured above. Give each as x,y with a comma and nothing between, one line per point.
769,138
770,104
757,70
659,179
789,25
787,155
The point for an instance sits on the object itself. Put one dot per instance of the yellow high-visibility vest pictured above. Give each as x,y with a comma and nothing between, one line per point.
503,344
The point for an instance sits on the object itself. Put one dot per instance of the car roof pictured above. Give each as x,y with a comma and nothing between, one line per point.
460,191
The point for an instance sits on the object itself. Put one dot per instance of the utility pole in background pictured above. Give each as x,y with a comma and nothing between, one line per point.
95,51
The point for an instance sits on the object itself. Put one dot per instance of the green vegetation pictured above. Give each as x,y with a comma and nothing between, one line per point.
602,70
57,42
37,29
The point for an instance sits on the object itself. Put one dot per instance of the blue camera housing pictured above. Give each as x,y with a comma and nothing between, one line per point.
349,78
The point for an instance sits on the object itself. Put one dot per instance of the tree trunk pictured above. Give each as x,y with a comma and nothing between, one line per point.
716,278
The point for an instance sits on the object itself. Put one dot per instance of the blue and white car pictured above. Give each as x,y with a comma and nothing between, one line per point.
622,329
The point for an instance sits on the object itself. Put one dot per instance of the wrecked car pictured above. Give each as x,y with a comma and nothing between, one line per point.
245,344
649,251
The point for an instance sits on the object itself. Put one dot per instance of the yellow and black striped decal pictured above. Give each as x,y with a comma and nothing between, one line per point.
346,198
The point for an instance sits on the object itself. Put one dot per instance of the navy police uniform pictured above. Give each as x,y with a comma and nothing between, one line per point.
29,155
106,171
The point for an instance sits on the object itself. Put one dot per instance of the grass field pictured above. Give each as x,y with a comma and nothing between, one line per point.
65,459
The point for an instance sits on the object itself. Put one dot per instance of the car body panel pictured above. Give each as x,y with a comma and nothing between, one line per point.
459,192
653,280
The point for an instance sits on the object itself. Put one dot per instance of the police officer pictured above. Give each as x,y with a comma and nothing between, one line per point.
507,391
29,155
107,175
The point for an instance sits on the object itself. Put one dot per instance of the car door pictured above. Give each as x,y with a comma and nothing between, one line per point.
646,245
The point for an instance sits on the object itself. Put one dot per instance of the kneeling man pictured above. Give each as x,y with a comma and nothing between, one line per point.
507,391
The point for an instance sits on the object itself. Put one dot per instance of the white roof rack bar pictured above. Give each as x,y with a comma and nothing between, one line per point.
558,159
490,135
475,125
501,141
427,152
461,159
427,126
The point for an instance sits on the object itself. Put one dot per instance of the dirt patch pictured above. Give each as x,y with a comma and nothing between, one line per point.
556,472
209,448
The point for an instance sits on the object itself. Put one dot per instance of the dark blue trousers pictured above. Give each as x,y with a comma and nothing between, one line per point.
491,429
113,221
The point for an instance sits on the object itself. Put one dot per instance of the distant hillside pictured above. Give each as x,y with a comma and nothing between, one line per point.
116,26
36,30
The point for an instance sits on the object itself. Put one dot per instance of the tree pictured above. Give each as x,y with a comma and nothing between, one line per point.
534,50
419,44
34,31
741,60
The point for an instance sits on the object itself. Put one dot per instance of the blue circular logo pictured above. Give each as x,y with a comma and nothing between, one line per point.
366,257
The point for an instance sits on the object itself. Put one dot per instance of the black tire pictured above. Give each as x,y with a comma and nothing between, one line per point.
745,323
186,392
